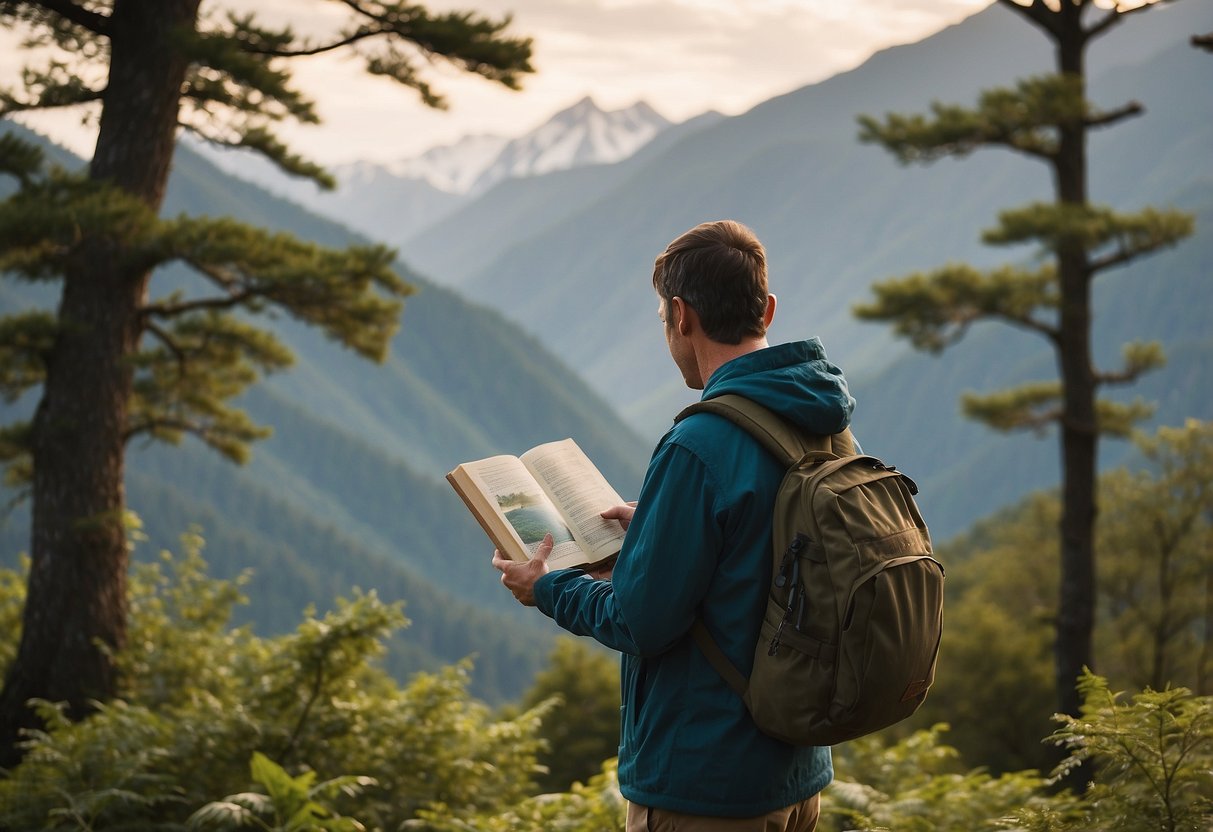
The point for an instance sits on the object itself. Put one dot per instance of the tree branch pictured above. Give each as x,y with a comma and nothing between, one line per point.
1118,377
9,105
1027,150
75,13
150,424
173,310
172,346
259,140
1037,12
1116,258
317,689
1115,16
1033,325
1133,108
353,37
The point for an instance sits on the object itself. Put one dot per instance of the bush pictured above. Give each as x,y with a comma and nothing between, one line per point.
201,698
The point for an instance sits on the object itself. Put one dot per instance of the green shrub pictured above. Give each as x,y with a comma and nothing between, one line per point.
917,785
289,804
1153,762
200,698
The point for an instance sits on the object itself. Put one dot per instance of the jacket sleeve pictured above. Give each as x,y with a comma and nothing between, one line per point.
664,568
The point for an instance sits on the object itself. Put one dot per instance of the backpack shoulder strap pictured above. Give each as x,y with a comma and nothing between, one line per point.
716,657
785,442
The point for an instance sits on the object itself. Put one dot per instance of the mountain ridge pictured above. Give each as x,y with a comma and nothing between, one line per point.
390,201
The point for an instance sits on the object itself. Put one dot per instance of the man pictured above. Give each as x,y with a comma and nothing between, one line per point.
698,544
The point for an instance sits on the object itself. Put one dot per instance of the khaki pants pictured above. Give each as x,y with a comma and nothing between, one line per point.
800,817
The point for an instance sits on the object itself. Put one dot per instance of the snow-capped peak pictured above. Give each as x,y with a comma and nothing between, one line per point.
582,134
453,167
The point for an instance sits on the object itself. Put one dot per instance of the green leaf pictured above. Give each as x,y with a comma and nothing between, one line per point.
222,814
280,785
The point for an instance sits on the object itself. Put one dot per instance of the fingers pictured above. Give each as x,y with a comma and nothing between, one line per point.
500,561
621,513
544,549
519,578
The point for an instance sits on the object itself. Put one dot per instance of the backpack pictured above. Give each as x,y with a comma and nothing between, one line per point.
850,637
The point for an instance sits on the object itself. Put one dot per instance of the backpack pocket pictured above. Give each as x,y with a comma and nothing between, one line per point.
889,645
787,686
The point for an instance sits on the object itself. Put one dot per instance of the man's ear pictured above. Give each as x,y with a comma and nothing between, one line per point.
685,317
769,314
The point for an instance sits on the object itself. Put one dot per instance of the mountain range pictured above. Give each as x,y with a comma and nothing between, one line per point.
349,491
392,201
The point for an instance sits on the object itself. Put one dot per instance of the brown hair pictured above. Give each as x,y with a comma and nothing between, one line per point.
720,270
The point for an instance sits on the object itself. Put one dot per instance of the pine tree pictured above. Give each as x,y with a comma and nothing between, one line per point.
117,360
1047,118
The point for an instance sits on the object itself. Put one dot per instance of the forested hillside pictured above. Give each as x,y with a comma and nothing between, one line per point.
349,491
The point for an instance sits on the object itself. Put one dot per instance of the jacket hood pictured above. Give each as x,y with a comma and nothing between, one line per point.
795,380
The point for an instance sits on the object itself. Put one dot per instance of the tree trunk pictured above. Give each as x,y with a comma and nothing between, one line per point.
1205,661
1079,433
75,611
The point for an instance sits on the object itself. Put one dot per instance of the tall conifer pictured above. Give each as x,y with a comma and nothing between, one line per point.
118,360
1047,118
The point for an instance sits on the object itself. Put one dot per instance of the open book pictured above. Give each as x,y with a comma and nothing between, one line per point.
551,488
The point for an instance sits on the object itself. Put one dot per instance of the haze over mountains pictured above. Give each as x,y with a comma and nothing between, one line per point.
536,320
392,202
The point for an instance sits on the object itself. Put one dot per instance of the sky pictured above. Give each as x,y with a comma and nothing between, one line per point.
683,57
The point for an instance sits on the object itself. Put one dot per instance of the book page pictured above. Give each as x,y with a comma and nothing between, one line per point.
581,491
524,505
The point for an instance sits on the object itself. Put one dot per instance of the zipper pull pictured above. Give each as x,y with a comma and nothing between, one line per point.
789,558
773,649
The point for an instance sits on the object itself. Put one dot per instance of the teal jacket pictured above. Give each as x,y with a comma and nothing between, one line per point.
700,543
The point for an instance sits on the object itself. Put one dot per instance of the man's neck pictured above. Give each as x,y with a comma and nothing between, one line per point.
712,355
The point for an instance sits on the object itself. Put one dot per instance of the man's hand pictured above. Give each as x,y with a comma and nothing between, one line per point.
519,578
621,513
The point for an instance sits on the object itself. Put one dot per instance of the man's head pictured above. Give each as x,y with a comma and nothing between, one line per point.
719,269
